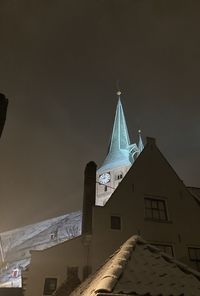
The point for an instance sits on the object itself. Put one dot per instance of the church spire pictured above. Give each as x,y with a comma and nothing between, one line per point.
120,157
120,152
120,137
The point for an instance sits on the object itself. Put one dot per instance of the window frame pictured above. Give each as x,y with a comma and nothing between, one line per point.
120,222
47,290
160,208
195,261
119,176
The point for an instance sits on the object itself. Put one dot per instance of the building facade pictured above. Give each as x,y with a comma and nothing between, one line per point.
150,200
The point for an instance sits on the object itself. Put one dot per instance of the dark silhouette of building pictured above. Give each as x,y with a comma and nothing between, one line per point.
3,111
11,292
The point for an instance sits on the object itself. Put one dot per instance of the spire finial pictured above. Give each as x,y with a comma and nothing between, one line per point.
119,93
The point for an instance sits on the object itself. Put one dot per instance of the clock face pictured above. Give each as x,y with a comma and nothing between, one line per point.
104,178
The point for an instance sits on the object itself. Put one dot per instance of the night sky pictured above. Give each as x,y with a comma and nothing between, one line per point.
59,63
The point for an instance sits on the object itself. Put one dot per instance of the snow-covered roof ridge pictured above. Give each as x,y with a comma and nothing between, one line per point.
141,269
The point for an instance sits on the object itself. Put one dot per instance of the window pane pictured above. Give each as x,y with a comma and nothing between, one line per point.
198,266
148,213
72,272
155,214
161,205
163,215
198,254
148,203
154,204
50,286
169,250
192,254
115,222
155,209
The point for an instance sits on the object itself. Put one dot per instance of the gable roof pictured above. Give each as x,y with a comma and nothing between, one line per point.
139,268
152,159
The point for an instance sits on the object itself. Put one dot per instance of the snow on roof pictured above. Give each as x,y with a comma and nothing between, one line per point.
139,268
16,244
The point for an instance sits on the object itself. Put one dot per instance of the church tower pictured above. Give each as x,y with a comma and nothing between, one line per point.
119,159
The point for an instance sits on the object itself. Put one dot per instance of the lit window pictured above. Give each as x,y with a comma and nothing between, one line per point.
155,209
194,255
168,249
50,285
115,222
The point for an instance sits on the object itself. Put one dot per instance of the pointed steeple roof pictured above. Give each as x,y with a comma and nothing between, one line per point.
120,150
140,142
120,137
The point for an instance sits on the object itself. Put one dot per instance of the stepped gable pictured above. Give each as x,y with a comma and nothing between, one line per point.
139,268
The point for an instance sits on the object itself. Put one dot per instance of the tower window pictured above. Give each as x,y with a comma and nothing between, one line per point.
50,285
119,176
115,222
155,209
105,188
194,255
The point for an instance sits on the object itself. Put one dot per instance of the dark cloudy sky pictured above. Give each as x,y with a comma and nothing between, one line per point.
59,62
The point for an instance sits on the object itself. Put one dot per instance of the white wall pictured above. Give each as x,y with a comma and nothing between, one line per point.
53,262
151,175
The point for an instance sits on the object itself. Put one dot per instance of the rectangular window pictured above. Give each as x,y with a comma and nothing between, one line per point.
50,285
194,255
115,222
168,249
72,272
119,176
105,188
155,209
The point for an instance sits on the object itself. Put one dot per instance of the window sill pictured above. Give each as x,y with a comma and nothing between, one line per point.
158,221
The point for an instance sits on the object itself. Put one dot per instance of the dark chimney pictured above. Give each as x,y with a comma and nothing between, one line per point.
3,111
89,196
